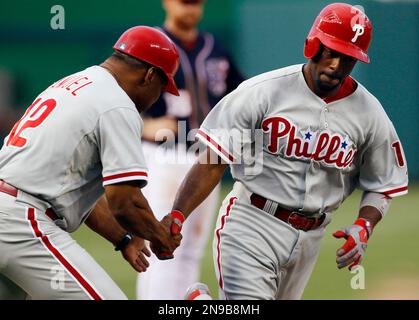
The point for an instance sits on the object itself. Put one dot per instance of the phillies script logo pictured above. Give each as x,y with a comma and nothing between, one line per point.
322,146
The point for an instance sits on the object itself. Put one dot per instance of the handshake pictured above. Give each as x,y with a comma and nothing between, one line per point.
164,248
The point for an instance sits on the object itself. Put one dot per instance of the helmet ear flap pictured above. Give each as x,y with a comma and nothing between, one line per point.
311,47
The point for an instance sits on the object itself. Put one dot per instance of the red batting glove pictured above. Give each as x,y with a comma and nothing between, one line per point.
175,228
353,250
178,220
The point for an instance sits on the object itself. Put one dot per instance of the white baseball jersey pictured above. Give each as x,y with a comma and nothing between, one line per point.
80,134
313,153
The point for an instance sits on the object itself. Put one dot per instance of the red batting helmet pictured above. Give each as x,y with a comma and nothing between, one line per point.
343,28
154,47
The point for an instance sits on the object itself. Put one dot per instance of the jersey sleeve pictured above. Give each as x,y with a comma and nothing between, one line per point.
119,135
383,164
231,124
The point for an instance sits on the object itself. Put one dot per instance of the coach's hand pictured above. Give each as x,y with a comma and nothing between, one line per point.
353,250
173,222
135,253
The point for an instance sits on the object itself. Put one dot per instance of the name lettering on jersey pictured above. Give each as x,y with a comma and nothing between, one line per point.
324,146
72,83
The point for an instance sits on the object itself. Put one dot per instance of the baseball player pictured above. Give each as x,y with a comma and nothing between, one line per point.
206,74
79,140
317,135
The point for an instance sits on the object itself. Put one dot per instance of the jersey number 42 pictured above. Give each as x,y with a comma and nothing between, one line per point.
37,112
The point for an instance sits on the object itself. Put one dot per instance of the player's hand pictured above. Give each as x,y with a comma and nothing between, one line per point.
353,250
173,224
135,253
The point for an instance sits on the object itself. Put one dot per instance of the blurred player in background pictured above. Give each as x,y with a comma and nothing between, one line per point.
207,73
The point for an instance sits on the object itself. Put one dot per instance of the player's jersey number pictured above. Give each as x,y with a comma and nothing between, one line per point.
399,154
37,113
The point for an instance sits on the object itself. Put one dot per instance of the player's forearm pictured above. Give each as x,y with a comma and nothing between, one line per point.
104,223
131,210
197,185
374,206
371,214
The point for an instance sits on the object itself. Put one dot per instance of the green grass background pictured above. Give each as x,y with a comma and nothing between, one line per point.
391,264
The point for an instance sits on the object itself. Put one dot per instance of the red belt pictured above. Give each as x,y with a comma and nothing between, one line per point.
12,191
296,219
7,188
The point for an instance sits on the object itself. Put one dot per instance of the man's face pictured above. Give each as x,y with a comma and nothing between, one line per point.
186,13
330,68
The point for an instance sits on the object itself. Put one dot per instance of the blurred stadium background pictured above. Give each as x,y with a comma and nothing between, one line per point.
261,35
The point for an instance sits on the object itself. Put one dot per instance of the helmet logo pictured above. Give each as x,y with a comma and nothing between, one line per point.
359,31
122,46
332,17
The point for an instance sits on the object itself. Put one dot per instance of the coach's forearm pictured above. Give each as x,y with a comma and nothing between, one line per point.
130,208
104,223
197,185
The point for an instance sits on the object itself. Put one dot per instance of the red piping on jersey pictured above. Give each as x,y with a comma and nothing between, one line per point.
348,87
223,220
216,145
124,175
390,192
43,238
